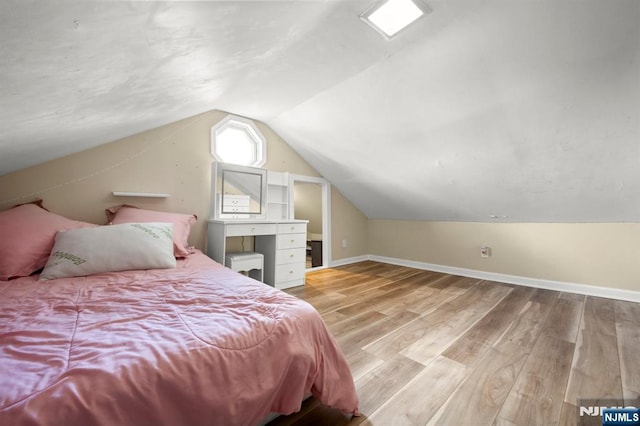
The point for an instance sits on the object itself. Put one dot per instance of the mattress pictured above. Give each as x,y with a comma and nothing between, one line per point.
197,344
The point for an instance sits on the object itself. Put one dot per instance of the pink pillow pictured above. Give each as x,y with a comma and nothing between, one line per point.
181,223
27,234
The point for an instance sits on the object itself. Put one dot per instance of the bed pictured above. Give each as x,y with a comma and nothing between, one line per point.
197,344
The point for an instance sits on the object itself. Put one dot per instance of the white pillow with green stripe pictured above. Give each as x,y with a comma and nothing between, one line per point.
86,251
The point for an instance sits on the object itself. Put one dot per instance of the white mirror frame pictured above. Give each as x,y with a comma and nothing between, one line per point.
217,169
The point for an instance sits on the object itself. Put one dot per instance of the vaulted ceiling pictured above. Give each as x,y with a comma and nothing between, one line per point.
494,110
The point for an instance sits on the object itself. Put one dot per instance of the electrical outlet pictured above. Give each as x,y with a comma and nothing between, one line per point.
344,243
485,251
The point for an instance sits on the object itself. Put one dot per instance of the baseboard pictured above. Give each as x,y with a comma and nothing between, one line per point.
589,290
349,260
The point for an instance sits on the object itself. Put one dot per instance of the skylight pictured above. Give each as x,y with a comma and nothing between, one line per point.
392,16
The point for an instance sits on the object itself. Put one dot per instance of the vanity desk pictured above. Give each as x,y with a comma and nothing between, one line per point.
281,242
254,202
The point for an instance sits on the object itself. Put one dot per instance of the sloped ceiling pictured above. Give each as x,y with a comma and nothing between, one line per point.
524,110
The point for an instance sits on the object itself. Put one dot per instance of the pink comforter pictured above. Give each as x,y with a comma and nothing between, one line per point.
194,345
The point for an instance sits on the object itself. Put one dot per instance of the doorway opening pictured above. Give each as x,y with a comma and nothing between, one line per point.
310,200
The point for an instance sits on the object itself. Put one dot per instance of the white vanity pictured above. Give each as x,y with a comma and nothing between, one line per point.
282,241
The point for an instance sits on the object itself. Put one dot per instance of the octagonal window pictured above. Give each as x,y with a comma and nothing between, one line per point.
237,140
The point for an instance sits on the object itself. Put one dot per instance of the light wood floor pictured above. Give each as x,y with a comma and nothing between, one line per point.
430,348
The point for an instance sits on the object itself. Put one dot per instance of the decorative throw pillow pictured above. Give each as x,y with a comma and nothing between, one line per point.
38,202
27,234
181,223
80,252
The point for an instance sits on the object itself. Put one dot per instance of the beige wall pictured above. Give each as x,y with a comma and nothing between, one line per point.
347,223
308,205
172,159
176,159
601,254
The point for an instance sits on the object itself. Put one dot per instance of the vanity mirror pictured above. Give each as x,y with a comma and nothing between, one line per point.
240,191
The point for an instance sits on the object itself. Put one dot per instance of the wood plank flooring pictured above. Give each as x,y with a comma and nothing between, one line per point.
434,349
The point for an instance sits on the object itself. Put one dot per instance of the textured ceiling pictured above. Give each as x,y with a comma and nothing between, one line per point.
82,73
506,110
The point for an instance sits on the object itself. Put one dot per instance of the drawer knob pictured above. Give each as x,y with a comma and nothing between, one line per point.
292,255
293,227
253,229
291,272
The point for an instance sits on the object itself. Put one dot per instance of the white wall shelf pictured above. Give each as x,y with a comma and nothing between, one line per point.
139,194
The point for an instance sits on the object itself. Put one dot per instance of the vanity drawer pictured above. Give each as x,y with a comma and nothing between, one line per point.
288,241
235,212
292,228
234,209
236,200
291,272
248,229
290,256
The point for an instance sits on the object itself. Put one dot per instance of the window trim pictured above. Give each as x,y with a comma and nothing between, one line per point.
252,131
